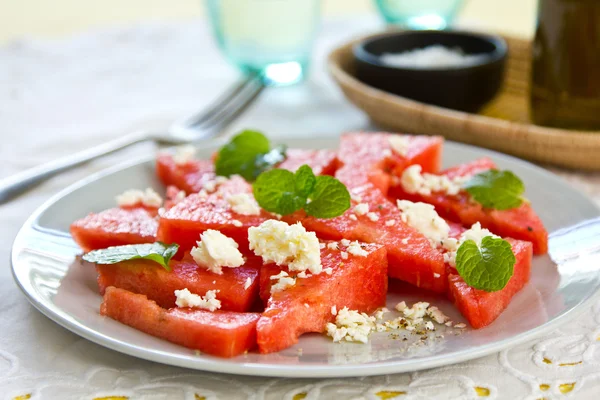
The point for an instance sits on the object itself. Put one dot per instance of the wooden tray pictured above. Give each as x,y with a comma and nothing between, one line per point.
502,125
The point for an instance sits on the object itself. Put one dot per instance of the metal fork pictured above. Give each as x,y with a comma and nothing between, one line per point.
206,124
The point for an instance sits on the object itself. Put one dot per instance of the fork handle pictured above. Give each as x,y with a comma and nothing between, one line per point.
15,185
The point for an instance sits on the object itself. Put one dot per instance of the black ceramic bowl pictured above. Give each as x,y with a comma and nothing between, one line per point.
465,88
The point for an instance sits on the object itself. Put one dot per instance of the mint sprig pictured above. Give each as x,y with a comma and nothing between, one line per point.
158,252
283,192
500,190
248,154
486,267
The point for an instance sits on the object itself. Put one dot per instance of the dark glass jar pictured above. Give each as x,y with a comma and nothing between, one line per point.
565,88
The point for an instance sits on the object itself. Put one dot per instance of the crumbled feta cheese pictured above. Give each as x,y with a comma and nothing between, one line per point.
179,196
344,255
460,326
333,310
429,326
302,275
386,152
280,275
361,209
476,234
390,222
306,305
436,275
417,311
207,302
373,216
244,204
351,326
356,197
184,154
248,283
215,250
237,223
437,315
328,270
345,242
399,144
413,181
355,249
332,246
321,246
291,245
424,219
210,186
400,306
353,217
282,284
404,241
132,197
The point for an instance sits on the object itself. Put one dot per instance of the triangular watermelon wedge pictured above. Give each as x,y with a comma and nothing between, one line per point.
357,282
219,333
520,223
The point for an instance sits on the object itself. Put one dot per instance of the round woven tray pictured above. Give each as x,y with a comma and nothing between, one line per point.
502,125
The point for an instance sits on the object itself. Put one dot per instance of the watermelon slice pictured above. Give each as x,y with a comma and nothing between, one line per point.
114,227
195,174
322,162
410,255
185,221
190,177
220,333
481,308
238,287
370,157
520,223
359,283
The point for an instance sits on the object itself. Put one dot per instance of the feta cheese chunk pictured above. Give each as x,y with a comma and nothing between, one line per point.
373,216
351,326
413,181
248,283
476,234
284,281
209,301
399,144
361,209
215,250
184,154
355,249
132,197
244,204
291,245
426,220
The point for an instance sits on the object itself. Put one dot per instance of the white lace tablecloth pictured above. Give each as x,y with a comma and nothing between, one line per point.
58,97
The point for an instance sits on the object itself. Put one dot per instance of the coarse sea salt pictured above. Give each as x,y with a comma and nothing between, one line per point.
434,56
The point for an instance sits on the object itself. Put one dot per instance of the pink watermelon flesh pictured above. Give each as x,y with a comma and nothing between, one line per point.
219,333
359,283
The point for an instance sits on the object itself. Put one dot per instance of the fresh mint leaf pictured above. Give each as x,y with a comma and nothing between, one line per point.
500,190
487,267
305,181
329,199
158,252
283,192
248,154
275,191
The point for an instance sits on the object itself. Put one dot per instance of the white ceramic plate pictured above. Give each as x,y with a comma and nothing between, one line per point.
65,291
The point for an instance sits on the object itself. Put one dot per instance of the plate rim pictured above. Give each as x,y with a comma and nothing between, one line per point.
214,364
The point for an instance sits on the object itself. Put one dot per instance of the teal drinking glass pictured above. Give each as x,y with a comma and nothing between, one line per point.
419,14
270,37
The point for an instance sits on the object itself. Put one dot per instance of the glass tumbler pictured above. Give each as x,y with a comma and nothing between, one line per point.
270,37
419,14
